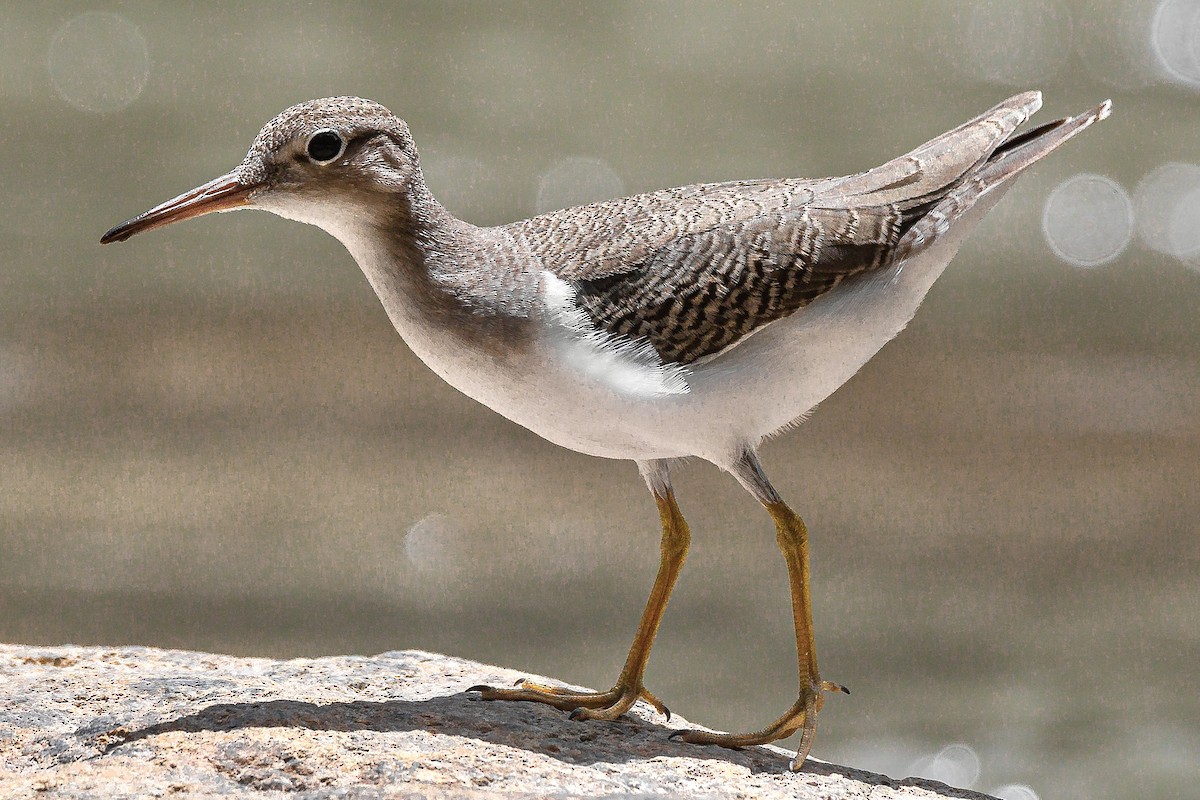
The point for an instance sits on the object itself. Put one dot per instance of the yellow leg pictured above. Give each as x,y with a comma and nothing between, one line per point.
628,689
792,537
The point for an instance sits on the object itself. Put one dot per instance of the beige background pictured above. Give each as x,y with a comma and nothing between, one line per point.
211,438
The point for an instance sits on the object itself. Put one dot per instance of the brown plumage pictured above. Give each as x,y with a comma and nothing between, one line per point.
696,269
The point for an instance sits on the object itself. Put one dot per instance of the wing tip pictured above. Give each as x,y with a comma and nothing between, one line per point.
1031,103
1089,117
1026,103
1012,113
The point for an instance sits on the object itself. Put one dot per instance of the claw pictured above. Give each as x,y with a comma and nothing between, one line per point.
576,715
479,687
655,702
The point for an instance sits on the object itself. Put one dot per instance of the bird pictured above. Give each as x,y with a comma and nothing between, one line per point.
693,322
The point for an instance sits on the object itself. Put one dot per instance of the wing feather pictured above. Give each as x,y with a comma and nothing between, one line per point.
693,270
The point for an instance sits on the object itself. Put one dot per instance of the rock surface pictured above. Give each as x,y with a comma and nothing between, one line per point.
139,722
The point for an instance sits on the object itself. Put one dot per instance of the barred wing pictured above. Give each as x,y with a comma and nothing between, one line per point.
694,270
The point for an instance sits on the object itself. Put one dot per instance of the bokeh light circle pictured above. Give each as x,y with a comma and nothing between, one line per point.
1174,37
954,765
1183,228
99,62
434,544
575,181
1167,200
1088,220
1015,791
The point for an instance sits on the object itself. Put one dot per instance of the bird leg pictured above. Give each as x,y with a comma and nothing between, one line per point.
628,688
792,537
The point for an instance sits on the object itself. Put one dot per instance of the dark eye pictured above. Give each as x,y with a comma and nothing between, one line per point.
324,146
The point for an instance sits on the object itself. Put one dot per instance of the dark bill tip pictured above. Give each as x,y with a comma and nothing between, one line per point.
223,194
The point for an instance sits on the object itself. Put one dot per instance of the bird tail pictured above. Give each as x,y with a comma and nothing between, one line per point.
1019,152
1005,163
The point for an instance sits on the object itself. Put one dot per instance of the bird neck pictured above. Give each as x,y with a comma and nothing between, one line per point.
438,275
426,238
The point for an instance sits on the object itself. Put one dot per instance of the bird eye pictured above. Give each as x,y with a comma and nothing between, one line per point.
325,145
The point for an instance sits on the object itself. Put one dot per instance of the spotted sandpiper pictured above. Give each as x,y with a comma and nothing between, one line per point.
694,321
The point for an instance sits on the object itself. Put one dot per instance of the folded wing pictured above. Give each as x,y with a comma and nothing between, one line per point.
694,270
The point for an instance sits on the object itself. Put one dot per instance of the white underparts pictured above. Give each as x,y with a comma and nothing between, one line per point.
629,367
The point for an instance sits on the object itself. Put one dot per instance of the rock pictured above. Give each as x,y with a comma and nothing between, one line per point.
140,722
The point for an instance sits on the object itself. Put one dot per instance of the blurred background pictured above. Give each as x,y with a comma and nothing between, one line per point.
213,439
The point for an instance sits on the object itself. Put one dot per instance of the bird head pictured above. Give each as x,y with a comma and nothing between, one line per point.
326,162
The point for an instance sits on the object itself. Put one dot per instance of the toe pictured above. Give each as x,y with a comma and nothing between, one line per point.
658,705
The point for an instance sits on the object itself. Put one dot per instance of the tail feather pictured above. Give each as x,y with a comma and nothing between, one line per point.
1020,151
1004,164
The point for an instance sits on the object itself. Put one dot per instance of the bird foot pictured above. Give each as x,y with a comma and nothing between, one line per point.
582,705
802,716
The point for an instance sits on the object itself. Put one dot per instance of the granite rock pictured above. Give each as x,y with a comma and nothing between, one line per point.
85,722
